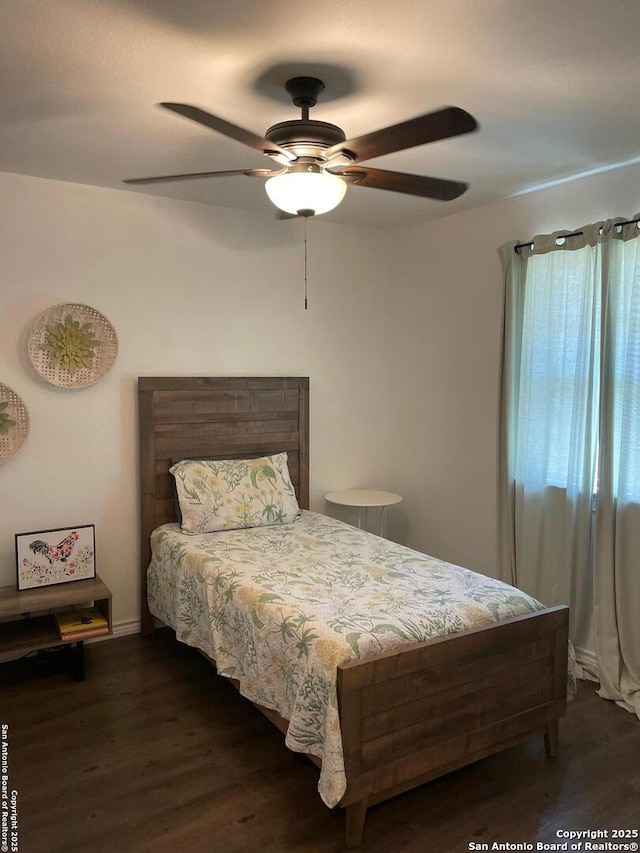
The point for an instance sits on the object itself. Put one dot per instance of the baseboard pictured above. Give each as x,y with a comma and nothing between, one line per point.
120,629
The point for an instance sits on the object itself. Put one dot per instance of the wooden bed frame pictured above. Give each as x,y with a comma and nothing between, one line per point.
406,717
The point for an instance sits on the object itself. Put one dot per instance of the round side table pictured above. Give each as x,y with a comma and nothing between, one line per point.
363,499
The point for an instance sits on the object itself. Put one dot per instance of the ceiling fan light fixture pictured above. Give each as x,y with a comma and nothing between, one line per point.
308,192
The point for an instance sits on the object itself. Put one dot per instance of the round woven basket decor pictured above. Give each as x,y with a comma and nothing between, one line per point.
14,422
72,345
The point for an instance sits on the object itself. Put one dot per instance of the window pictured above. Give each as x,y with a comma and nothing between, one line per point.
559,368
564,400
623,398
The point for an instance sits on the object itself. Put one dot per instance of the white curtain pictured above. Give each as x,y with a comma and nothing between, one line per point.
569,421
617,531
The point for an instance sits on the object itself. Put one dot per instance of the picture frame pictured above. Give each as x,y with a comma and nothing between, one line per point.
51,557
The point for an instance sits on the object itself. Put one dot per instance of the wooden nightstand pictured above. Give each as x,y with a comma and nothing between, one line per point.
25,633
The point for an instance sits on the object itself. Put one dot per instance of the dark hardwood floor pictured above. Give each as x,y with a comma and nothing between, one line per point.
154,753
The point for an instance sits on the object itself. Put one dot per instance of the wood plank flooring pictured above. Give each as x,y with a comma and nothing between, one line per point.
154,753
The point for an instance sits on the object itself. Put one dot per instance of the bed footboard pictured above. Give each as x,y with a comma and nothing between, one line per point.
410,716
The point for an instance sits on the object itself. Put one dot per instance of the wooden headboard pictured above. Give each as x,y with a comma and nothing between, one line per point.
213,417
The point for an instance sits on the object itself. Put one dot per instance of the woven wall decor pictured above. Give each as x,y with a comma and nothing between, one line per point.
72,345
14,422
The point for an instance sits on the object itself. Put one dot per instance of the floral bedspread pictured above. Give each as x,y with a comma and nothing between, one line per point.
280,607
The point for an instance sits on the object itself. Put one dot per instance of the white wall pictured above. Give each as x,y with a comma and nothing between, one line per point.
447,327
401,344
191,290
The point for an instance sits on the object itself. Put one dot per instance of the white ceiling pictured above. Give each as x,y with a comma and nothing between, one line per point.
553,84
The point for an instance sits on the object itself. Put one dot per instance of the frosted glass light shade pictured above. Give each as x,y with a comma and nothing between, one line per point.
309,191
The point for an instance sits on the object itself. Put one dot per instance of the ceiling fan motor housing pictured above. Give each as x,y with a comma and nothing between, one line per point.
305,138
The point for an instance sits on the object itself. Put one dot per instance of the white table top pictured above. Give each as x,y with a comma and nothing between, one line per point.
363,498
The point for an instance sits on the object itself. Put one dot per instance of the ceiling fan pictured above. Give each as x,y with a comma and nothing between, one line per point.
314,161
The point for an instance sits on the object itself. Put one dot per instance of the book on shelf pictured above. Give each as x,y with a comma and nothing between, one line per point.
82,624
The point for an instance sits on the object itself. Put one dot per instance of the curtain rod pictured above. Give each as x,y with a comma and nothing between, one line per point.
519,246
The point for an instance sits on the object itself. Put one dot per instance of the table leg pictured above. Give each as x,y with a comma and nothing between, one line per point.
383,521
76,657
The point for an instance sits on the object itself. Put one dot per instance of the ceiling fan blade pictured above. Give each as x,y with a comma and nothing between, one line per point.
402,182
231,130
442,124
251,173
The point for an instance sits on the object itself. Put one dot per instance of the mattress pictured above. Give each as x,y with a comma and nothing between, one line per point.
279,608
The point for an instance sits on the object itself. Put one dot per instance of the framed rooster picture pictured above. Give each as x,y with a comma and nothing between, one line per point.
48,557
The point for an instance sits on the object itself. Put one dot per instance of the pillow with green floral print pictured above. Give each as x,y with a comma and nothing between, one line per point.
232,493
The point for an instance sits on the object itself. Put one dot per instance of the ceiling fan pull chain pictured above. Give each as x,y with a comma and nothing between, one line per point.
306,304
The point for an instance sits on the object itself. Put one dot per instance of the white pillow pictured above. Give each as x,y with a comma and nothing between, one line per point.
233,493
